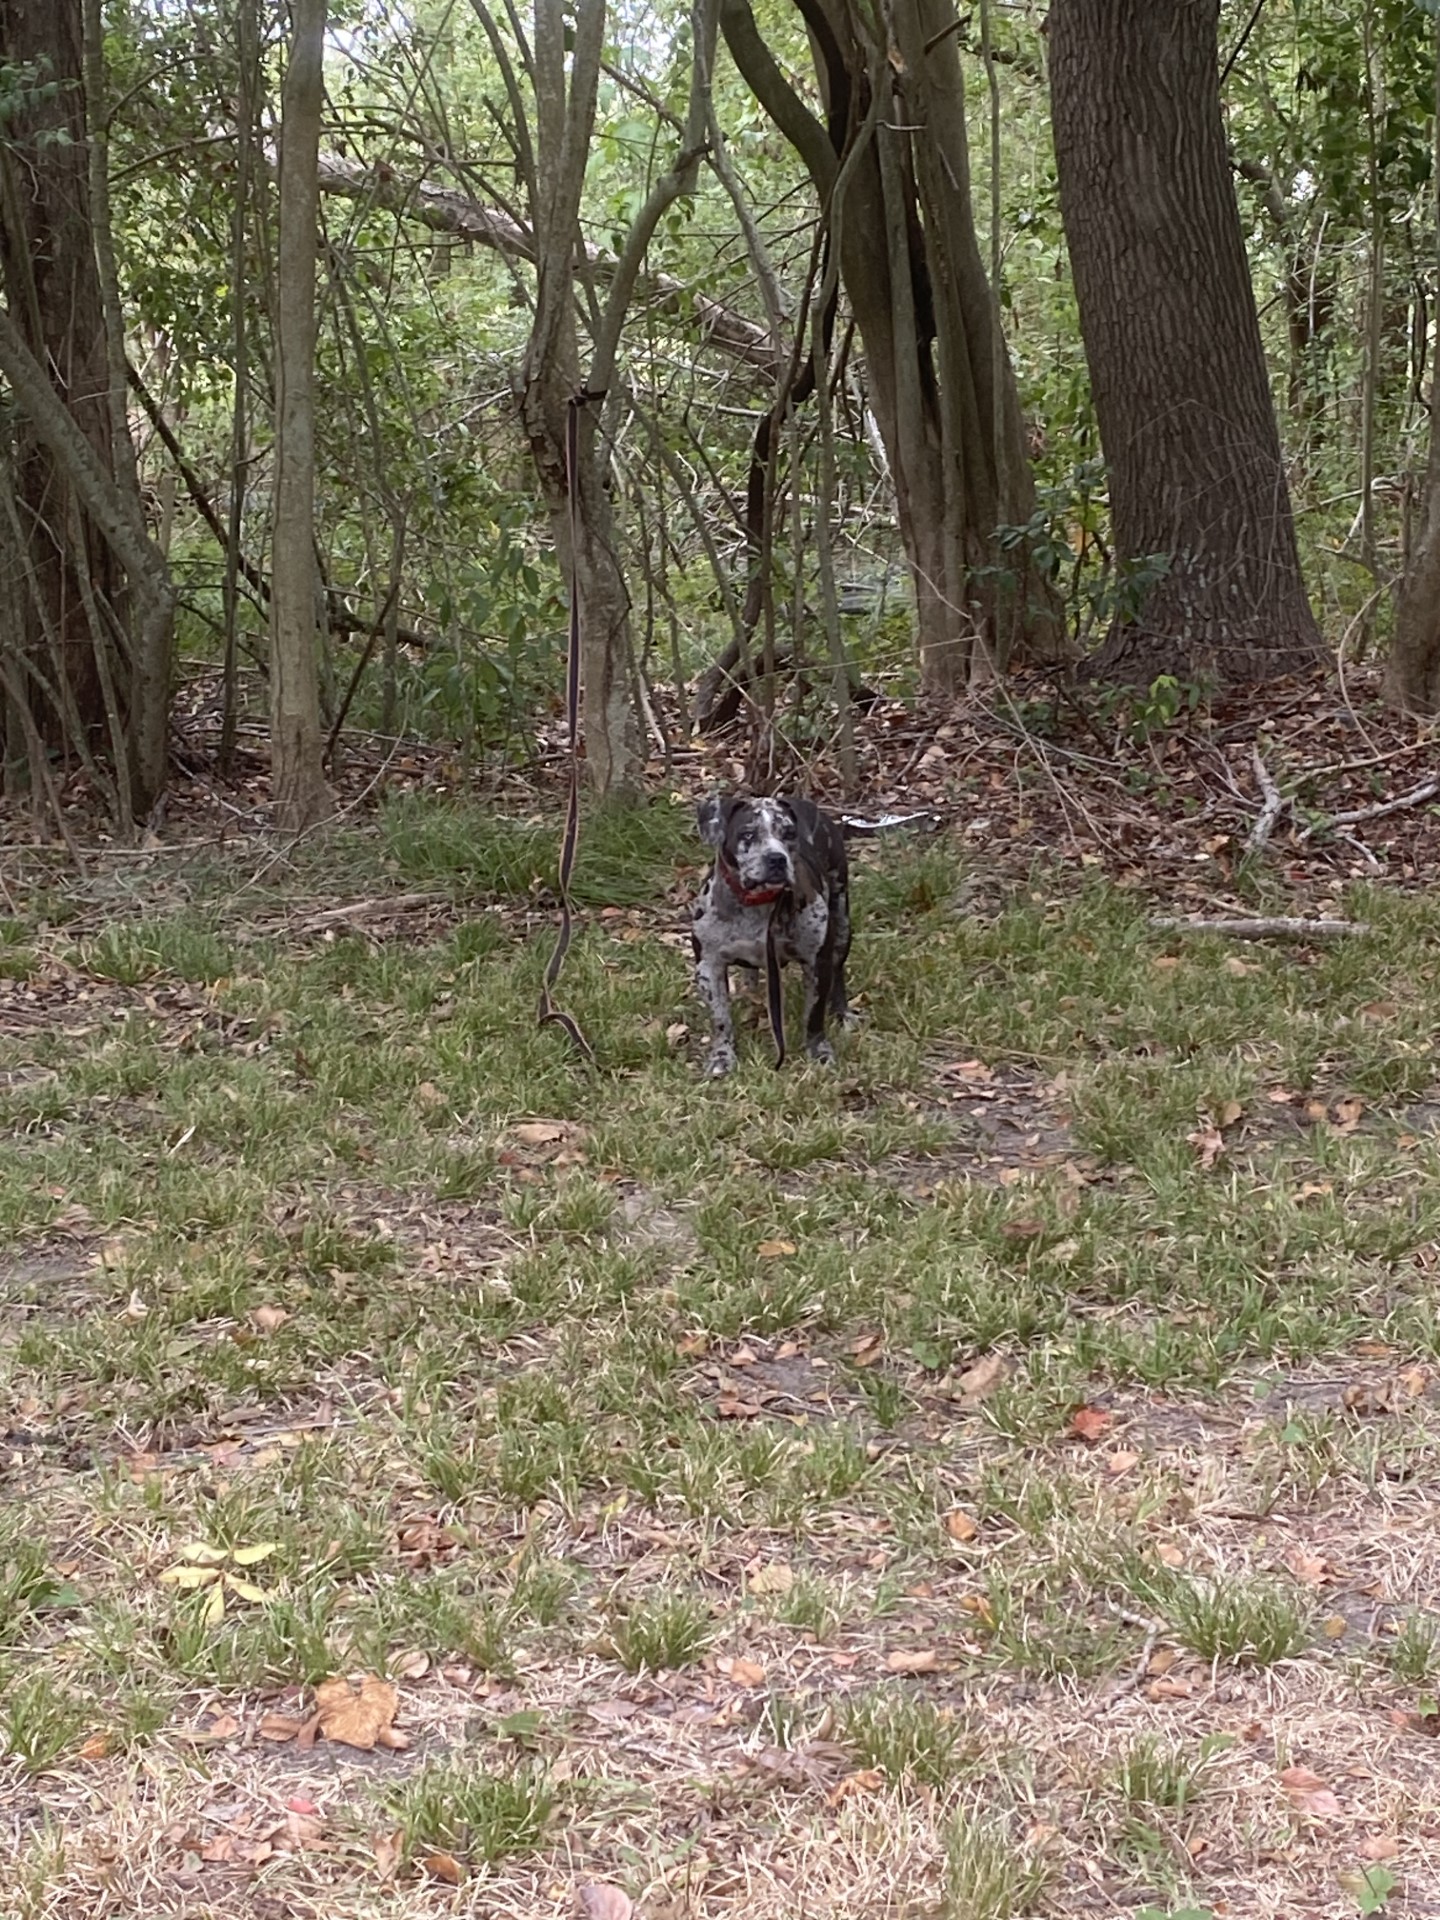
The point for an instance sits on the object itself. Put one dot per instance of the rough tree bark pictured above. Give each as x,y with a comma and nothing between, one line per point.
891,170
299,795
1168,316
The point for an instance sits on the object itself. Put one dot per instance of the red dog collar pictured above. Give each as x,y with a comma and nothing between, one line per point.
751,897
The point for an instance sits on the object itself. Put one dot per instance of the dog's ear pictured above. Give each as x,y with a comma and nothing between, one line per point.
710,818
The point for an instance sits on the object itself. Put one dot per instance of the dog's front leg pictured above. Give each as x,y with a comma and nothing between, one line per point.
712,983
819,983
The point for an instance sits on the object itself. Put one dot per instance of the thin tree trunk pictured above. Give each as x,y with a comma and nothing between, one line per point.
298,792
1171,335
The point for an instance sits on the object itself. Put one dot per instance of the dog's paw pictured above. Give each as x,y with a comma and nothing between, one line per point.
822,1051
722,1061
851,1018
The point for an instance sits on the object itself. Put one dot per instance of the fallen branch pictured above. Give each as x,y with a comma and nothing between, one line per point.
1273,929
1275,804
1416,797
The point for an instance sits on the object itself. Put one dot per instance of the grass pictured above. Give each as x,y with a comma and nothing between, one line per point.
704,1464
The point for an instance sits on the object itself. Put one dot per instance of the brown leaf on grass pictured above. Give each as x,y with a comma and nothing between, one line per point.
730,1408
745,1673
1091,1423
359,1715
601,1901
775,1249
912,1660
1027,1229
539,1133
1335,1626
280,1727
387,1849
960,1526
97,1747
268,1319
443,1866
1308,1794
1209,1143
775,1577
867,1780
1346,1115
865,1351
1380,1846
1121,1462
1230,1113
1308,1568
982,1379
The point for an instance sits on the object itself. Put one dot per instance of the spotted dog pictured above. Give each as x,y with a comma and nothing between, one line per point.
781,877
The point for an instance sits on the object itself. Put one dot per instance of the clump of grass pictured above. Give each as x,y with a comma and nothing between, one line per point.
906,1736
669,1631
1415,1650
456,1807
989,1873
1253,1621
1153,1774
41,1722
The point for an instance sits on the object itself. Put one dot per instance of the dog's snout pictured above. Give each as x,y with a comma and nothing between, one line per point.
777,864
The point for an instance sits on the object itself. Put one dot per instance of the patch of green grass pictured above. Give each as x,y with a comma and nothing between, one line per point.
458,1807
1251,1620
1414,1653
907,1737
990,1873
661,1633
41,1721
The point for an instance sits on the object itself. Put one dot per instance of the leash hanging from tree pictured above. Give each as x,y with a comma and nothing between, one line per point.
548,1011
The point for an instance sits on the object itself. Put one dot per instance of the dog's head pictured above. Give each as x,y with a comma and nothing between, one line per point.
757,843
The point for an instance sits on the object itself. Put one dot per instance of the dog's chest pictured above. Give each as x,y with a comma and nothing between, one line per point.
734,934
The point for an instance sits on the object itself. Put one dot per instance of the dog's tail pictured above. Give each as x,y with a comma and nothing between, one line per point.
855,828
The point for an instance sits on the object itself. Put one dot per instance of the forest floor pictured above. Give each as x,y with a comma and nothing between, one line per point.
443,1477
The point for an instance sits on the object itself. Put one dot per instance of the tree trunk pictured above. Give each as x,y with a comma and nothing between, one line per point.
1168,316
299,795
52,290
1412,672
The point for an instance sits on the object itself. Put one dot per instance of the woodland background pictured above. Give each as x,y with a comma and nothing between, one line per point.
295,303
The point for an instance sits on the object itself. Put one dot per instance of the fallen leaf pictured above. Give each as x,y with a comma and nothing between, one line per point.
279,1726
1309,1794
538,1133
745,1673
1161,1661
1346,1114
1308,1568
1316,1189
1335,1626
357,1716
1209,1143
601,1901
981,1379
1169,1555
867,1349
1165,1689
1231,1112
1380,1846
774,1578
959,1525
252,1556
775,1249
1091,1423
97,1747
268,1319
387,1848
200,1554
912,1660
411,1666
188,1578
868,1780
1118,1463
443,1866
1026,1229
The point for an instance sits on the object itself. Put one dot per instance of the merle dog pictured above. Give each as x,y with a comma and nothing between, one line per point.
779,890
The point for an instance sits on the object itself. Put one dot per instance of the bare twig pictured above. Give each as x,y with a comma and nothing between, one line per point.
1268,929
1275,804
1416,797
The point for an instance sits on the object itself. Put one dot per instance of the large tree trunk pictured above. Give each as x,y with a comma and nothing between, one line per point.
299,795
1173,342
52,290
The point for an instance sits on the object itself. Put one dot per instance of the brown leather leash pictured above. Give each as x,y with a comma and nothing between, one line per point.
548,1011
772,986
